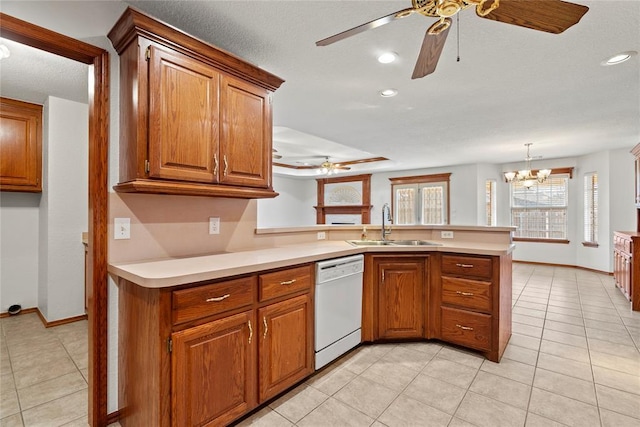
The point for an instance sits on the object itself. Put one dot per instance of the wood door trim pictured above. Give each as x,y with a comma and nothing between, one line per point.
59,44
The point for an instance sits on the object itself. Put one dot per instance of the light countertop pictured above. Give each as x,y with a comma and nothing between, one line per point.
169,272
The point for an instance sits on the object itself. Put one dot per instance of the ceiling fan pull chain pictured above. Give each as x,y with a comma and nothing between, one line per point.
458,35
484,12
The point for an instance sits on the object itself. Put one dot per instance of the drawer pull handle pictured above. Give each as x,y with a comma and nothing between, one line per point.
250,331
465,294
464,265
266,327
218,299
465,328
288,282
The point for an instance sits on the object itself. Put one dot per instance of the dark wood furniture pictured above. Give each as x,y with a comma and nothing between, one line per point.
626,265
461,299
207,353
20,146
194,119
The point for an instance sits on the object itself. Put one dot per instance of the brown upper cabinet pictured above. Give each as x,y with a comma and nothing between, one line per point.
20,146
194,119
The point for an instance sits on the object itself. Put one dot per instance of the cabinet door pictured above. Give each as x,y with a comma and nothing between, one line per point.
20,146
286,344
183,118
245,141
401,299
213,371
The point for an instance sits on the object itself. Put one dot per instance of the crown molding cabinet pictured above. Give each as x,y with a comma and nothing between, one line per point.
194,119
20,146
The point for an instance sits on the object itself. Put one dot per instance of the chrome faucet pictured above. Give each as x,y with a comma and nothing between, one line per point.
386,231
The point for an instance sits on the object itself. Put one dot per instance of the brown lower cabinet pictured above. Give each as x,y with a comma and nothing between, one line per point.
460,299
205,354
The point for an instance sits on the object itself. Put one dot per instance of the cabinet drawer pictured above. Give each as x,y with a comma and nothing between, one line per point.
194,303
467,266
468,329
284,282
466,293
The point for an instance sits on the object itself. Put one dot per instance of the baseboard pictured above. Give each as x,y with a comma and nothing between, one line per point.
565,265
24,311
113,417
44,321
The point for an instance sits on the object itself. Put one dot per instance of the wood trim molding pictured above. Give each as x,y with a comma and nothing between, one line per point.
364,209
97,290
590,244
439,177
347,163
526,239
23,311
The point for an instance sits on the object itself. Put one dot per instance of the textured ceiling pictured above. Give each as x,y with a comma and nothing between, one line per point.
511,86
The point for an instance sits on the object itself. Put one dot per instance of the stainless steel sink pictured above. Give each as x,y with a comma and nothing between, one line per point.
392,243
414,243
370,242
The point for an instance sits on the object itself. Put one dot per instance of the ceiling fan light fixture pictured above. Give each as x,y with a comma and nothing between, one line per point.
388,93
619,58
387,57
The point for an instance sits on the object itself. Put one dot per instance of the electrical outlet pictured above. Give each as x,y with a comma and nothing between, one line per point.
214,225
321,235
121,228
446,234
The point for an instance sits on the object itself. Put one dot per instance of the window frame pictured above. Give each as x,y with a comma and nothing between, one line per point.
590,209
491,204
419,182
568,172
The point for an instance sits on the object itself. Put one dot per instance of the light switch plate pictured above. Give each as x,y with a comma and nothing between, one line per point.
321,235
214,225
446,234
121,228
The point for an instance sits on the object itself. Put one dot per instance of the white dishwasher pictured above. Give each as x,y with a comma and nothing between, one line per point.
338,307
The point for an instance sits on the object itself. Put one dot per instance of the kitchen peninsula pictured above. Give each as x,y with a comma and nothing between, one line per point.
252,312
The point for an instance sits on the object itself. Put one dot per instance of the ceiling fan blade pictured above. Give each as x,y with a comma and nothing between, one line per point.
364,27
552,16
430,53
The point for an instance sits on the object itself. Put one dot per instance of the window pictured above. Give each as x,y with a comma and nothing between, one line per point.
591,209
540,212
490,202
421,199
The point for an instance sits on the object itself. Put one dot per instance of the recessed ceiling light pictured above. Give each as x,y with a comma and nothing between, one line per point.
387,57
4,51
619,58
387,93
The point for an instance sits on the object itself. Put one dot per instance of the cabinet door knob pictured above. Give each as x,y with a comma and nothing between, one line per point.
465,328
218,299
465,265
250,331
465,294
266,327
288,282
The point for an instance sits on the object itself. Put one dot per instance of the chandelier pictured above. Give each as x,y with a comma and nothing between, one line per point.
526,176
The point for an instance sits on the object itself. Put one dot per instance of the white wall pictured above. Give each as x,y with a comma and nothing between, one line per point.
622,210
292,207
63,209
19,249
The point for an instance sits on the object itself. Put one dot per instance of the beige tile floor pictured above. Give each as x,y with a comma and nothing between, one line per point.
573,360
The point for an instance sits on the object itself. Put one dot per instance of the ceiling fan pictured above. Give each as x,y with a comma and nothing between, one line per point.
552,16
